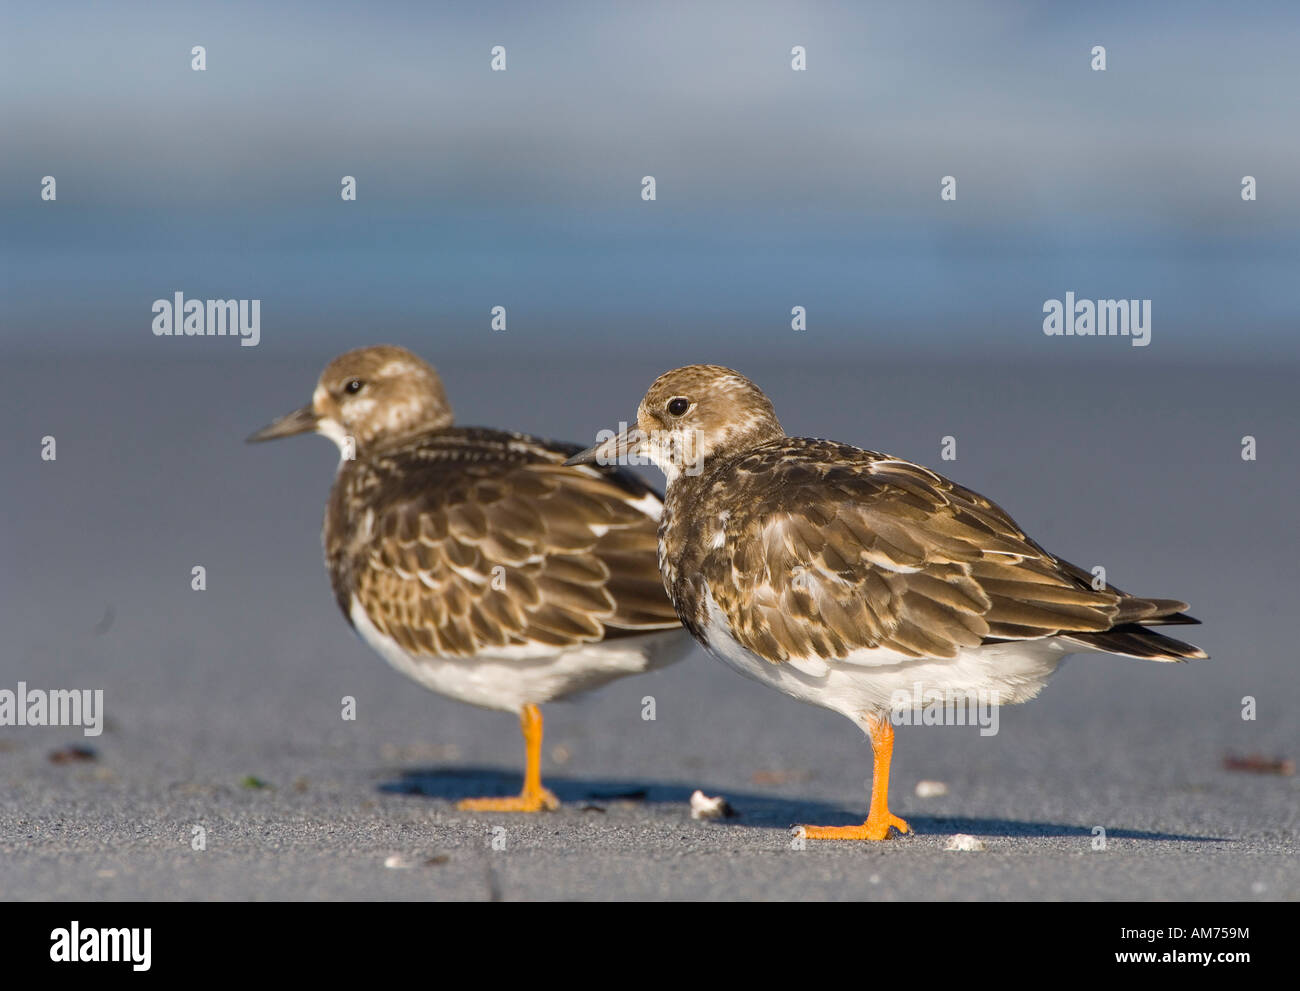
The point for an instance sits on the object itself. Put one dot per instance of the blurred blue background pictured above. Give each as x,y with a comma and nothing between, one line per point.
775,188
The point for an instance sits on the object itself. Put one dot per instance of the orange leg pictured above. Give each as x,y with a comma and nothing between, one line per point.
534,798
879,819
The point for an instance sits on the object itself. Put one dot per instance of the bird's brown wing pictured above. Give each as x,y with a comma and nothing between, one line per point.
467,555
830,550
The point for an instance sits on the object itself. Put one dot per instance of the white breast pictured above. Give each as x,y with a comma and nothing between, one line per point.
870,683
508,678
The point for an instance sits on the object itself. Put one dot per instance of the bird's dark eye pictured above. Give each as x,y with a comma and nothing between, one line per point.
353,386
678,406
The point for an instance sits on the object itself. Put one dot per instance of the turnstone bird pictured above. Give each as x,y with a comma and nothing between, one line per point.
473,560
857,581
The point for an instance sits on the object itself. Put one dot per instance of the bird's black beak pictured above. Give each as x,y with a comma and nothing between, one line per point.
300,421
613,449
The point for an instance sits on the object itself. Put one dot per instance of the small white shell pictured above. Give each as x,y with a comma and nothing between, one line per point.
703,807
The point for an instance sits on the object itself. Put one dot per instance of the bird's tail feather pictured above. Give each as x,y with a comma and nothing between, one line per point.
1139,640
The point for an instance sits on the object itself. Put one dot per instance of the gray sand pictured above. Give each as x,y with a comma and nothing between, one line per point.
207,689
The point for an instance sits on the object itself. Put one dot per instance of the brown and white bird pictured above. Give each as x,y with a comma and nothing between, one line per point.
473,560
857,581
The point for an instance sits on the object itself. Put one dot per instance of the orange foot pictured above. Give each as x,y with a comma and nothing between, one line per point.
875,828
540,800
534,798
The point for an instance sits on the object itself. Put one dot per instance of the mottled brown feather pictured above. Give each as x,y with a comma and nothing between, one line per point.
415,531
816,549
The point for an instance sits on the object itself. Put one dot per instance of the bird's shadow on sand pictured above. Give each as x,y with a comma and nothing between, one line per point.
751,809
